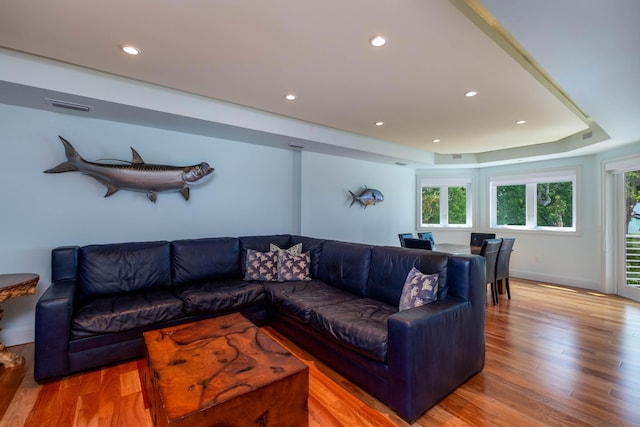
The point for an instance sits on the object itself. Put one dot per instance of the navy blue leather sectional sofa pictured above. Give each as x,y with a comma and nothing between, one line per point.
103,297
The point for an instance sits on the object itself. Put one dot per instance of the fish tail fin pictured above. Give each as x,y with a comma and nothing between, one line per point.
72,158
353,197
69,151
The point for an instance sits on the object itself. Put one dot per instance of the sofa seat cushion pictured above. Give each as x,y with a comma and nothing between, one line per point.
126,311
298,299
217,296
360,325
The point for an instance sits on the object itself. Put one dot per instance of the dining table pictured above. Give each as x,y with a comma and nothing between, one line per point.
460,249
452,248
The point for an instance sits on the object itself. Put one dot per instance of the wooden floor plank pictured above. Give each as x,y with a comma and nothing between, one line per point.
556,356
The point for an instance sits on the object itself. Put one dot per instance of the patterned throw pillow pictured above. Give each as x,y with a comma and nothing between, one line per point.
419,289
295,249
293,268
261,266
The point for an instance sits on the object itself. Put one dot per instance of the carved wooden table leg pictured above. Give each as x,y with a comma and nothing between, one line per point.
11,286
8,359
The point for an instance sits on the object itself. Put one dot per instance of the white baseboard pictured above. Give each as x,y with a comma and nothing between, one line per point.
555,279
10,337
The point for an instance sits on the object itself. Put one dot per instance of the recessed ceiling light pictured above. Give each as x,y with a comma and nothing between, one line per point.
378,40
131,50
470,93
521,122
436,140
379,123
290,97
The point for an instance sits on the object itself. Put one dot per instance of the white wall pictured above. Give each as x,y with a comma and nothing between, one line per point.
326,210
251,192
564,258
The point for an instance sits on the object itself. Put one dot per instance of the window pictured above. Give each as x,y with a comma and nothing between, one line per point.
544,201
444,204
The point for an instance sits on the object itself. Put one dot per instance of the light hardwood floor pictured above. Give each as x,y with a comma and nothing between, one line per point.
556,356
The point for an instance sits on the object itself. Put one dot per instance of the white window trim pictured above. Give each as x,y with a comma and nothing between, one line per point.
444,183
530,180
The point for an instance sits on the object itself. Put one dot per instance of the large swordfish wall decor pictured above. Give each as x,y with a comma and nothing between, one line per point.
135,175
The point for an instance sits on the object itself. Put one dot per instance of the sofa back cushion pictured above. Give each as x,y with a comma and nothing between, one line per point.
202,260
345,265
314,247
123,267
390,267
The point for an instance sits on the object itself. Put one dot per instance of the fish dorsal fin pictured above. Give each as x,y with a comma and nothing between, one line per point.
135,157
185,192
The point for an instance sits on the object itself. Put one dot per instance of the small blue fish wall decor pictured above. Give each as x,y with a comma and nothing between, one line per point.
369,196
135,175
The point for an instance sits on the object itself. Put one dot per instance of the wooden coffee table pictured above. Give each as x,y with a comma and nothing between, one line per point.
223,371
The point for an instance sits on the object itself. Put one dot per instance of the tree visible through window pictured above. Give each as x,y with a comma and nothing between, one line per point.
457,205
445,204
431,205
511,205
632,203
555,204
534,201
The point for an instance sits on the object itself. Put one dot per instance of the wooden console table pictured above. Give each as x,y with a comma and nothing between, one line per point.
11,286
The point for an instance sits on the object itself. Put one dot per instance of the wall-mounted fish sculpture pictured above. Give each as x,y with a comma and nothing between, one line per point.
367,197
135,175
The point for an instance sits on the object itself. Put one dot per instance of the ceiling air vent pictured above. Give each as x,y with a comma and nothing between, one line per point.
587,135
68,105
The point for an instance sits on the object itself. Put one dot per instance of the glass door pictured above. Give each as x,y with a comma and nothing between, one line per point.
630,286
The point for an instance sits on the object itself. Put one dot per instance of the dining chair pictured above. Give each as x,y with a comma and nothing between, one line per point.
489,250
502,265
403,236
418,244
427,235
477,239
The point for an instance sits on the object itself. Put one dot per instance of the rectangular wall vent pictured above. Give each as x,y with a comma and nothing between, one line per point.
587,135
457,156
68,105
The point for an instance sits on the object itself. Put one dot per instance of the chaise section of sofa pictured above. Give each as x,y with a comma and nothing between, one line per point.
408,359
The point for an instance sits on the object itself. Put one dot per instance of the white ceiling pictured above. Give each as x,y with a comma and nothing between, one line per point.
585,55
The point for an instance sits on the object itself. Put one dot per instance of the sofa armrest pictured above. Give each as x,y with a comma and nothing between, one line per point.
432,349
54,314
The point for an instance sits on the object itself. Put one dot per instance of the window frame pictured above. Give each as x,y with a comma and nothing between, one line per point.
531,181
444,183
